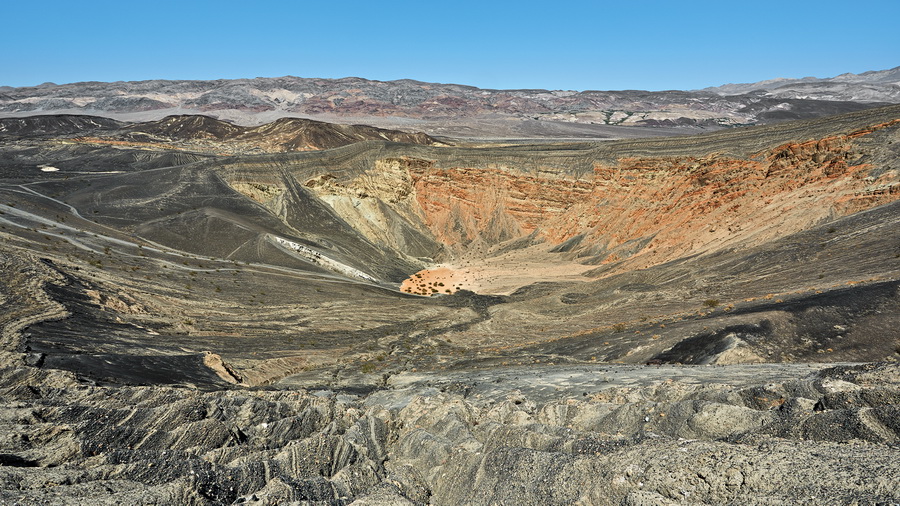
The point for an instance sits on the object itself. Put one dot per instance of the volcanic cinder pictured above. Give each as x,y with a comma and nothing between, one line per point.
199,312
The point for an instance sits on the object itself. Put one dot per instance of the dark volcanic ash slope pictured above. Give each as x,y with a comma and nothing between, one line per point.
232,329
286,134
195,134
59,124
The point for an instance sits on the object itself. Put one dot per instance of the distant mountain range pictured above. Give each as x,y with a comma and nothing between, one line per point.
457,110
873,86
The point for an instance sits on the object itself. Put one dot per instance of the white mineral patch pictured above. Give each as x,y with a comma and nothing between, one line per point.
47,168
318,258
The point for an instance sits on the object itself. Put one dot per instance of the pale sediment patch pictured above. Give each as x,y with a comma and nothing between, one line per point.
498,275
317,258
443,279
214,362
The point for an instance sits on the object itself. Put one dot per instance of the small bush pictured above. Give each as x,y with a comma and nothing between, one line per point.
711,302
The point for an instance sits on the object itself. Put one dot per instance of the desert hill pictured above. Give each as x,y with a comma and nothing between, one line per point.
59,124
202,134
285,134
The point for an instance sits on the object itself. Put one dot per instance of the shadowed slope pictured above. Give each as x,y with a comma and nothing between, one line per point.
285,134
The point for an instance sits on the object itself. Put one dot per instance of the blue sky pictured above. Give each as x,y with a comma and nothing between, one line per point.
635,44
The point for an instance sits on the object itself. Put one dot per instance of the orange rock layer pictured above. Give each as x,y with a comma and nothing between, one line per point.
645,211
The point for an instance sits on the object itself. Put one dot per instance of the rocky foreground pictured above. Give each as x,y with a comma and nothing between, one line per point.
474,433
576,435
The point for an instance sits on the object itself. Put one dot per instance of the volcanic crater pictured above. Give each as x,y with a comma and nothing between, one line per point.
709,318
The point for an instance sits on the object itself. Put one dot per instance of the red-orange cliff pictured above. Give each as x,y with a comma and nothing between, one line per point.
642,211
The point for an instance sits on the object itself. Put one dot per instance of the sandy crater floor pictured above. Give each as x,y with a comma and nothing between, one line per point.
496,275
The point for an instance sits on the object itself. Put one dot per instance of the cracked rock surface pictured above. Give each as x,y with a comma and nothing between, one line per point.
830,437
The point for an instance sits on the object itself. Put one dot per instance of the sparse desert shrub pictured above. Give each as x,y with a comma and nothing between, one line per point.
711,302
619,327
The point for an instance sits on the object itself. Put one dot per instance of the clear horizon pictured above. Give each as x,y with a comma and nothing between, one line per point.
429,82
645,45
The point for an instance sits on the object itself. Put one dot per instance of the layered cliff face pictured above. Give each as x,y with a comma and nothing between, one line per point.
634,213
381,204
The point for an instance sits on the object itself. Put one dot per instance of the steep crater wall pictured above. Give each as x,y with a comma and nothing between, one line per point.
634,213
617,206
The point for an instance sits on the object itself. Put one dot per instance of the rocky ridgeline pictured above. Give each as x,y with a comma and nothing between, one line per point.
203,133
60,124
255,101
